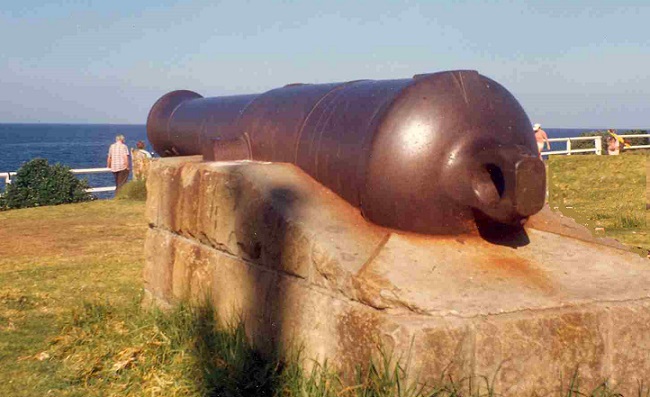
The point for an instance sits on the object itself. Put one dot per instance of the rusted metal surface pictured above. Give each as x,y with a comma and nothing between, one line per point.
432,154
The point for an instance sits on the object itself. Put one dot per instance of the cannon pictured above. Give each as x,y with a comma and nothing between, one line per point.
439,153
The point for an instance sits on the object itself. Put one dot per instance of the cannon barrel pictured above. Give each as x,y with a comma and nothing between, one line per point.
429,154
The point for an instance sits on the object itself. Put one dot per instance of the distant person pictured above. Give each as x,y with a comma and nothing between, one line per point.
615,143
141,159
613,146
541,137
118,162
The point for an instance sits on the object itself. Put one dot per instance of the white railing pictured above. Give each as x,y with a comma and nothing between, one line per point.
637,136
7,176
598,144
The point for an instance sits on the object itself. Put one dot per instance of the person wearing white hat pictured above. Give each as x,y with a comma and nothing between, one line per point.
541,137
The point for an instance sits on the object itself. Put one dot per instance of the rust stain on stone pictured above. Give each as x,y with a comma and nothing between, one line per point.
358,336
516,269
427,241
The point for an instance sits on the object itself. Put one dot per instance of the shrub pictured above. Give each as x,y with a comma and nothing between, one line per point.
590,144
134,190
37,183
636,141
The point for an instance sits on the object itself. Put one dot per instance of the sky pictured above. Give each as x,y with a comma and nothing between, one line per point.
571,64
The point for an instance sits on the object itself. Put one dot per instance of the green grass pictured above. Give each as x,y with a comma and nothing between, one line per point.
109,350
51,258
135,189
71,324
603,192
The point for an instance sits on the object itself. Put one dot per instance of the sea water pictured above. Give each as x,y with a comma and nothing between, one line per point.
72,145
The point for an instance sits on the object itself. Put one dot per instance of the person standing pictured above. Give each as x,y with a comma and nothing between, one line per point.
541,137
613,146
118,162
140,158
615,143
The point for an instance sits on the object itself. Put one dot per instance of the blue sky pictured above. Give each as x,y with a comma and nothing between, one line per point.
569,63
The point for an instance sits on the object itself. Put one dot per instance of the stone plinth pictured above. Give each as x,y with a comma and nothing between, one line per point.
302,267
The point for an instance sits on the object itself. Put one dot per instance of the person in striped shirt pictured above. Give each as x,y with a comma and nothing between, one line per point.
118,162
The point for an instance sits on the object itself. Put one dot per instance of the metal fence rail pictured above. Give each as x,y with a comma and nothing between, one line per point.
7,176
598,144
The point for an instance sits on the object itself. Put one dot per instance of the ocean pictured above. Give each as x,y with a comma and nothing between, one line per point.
73,145
86,145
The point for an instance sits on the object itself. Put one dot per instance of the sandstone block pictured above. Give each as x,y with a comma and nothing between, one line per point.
630,345
159,262
188,180
264,213
303,269
216,210
433,349
542,352
240,290
163,187
191,274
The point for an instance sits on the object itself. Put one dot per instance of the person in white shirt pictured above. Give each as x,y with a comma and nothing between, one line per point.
118,162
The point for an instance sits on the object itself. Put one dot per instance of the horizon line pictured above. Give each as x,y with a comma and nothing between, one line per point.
145,124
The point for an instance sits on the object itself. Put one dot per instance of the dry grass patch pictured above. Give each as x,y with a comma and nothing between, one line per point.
52,259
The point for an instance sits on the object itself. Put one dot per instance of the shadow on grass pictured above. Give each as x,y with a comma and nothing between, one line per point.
226,363
186,352
230,366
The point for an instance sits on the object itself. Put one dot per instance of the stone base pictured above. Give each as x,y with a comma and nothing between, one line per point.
303,268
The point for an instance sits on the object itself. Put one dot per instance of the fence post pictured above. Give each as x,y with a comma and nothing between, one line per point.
568,147
599,145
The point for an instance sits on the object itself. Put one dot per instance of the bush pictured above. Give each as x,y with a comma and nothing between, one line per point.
134,190
636,141
37,183
590,144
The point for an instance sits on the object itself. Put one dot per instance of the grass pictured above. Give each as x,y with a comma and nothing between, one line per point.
71,323
604,193
135,189
51,258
